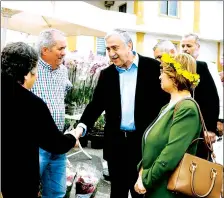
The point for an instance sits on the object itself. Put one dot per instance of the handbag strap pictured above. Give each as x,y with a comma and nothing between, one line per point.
210,147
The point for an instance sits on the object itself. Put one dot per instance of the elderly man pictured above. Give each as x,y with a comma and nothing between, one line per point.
205,94
129,92
51,86
190,44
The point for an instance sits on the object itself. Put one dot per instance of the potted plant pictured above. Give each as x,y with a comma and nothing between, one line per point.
70,101
96,135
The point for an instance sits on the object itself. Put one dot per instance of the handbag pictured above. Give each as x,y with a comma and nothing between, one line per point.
197,177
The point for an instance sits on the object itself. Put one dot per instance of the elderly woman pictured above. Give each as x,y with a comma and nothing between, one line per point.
26,124
167,139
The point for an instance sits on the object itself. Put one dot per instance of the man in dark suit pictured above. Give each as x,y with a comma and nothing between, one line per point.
205,93
130,94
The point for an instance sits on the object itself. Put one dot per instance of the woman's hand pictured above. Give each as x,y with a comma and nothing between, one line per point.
139,188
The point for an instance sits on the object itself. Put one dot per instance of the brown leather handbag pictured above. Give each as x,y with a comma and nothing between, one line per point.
196,177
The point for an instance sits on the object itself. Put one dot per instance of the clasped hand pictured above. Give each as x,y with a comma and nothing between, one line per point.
139,188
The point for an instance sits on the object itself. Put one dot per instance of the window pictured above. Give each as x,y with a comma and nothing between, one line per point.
123,8
169,8
100,47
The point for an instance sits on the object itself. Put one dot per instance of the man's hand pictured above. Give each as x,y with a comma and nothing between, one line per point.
76,144
78,132
210,135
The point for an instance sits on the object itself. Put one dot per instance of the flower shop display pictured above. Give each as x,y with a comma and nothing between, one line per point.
70,176
83,72
86,180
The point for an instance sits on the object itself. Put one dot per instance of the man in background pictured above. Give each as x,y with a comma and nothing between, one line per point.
52,85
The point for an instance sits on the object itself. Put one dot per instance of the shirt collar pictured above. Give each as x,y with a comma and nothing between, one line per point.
134,64
46,65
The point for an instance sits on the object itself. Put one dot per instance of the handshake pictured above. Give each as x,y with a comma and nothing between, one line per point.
77,132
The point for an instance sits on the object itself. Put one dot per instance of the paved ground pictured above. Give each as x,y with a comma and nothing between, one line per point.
103,189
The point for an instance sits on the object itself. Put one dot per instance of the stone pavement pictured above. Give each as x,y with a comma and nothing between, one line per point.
103,190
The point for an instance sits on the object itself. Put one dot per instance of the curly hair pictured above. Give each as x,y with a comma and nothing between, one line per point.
17,60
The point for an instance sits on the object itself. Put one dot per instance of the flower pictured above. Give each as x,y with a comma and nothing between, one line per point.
83,72
86,183
194,78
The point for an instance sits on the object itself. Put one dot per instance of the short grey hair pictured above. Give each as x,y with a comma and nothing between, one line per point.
164,46
125,37
195,36
46,39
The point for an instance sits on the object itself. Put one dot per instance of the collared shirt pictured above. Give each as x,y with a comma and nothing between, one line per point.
128,78
52,86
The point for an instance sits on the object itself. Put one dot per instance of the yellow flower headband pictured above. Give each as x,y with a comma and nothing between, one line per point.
194,78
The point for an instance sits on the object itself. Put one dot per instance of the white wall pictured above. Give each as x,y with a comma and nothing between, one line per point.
169,25
151,40
208,51
14,36
85,43
211,19
133,37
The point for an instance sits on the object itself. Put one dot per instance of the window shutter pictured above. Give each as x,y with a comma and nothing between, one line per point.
101,48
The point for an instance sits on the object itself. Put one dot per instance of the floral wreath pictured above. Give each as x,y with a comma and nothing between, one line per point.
194,78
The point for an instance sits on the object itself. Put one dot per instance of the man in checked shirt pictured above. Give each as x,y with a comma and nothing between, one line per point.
52,85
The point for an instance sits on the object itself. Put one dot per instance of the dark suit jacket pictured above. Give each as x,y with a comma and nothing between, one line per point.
149,99
207,97
27,124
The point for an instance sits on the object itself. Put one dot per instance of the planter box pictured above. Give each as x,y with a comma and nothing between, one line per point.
97,139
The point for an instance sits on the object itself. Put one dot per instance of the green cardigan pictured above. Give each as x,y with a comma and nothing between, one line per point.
165,146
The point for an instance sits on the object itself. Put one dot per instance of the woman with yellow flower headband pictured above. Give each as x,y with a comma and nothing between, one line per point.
166,140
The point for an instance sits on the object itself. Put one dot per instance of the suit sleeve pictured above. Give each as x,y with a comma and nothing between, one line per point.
96,106
185,128
207,97
49,137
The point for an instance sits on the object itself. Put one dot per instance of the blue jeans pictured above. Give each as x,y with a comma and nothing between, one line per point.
53,174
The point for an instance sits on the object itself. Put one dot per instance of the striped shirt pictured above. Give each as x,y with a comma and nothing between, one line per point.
52,86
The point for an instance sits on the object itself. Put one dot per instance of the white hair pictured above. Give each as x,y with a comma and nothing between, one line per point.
46,39
124,36
195,36
165,46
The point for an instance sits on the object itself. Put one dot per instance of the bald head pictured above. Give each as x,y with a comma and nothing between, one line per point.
164,46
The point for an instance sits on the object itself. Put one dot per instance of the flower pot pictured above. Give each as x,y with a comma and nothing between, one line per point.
97,139
69,110
83,141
